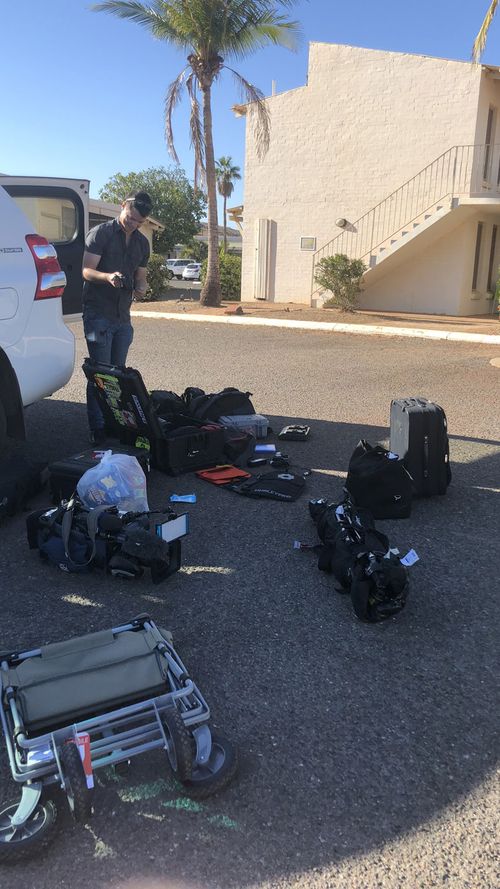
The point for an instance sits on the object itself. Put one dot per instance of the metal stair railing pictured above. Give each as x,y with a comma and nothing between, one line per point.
463,170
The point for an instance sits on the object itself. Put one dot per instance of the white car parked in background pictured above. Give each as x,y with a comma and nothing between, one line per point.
37,350
175,267
192,272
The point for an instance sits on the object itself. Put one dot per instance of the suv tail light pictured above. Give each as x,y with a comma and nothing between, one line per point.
51,280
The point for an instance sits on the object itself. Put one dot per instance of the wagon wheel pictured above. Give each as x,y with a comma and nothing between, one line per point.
29,838
179,750
75,782
216,773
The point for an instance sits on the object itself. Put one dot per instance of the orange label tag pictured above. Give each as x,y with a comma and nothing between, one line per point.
83,744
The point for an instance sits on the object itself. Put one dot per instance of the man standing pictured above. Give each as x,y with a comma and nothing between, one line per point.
114,268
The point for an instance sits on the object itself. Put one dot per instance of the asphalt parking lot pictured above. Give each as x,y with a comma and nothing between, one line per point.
367,753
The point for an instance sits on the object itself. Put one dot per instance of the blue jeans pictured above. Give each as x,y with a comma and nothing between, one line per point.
108,342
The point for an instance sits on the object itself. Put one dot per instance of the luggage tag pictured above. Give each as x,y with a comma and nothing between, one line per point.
82,741
410,558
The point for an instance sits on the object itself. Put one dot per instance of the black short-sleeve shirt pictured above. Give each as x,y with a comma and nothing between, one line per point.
108,241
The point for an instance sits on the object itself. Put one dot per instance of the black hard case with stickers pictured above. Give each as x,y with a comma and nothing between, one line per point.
177,443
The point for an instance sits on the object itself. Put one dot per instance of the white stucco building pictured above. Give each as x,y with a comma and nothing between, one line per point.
385,156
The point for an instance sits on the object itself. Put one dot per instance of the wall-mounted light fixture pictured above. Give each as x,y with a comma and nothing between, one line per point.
341,222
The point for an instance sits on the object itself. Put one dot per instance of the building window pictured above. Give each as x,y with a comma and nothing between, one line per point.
489,138
97,218
477,255
308,243
491,282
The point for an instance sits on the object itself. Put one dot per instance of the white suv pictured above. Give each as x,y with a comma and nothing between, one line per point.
175,267
37,350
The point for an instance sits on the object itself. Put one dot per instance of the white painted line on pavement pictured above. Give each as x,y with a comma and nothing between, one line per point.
366,329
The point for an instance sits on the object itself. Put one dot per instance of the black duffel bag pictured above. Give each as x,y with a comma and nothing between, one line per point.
227,403
359,557
378,480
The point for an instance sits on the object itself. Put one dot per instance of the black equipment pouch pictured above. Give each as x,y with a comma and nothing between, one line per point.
285,486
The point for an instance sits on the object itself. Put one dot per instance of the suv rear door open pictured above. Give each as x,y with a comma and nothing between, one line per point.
58,209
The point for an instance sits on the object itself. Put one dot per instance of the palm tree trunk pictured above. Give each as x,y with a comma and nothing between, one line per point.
225,225
210,293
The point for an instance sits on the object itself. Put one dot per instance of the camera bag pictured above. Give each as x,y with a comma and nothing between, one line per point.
379,481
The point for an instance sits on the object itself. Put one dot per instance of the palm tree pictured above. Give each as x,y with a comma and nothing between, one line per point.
226,174
480,41
209,31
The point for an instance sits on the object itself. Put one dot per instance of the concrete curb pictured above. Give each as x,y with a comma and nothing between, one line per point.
334,327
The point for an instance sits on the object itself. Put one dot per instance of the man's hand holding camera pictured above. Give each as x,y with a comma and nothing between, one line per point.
116,279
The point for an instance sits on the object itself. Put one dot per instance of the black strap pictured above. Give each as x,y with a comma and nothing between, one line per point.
92,525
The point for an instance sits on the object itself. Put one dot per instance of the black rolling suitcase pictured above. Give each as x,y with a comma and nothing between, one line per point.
177,443
419,436
65,474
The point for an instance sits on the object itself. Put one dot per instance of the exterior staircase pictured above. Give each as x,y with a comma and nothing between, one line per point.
463,175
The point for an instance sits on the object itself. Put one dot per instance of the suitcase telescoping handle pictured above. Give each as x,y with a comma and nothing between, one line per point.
426,456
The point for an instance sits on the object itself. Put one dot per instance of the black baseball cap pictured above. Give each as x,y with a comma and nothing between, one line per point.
141,202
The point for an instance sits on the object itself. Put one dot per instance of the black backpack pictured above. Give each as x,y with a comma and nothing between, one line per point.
228,402
379,481
167,403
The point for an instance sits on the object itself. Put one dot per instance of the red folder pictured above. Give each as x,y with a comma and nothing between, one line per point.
222,475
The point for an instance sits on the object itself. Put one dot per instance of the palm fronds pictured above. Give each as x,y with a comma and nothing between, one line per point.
480,41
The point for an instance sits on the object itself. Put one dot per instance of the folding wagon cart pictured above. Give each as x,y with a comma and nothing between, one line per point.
71,707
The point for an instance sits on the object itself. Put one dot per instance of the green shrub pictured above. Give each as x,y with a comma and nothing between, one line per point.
342,277
157,278
230,275
196,251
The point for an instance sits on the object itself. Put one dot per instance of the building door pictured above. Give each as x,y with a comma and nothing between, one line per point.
264,259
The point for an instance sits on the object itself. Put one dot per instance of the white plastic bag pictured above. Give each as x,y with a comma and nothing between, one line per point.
118,480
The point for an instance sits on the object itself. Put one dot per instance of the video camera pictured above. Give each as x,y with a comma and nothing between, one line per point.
77,539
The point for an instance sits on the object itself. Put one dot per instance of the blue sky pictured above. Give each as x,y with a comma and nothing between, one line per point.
83,92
